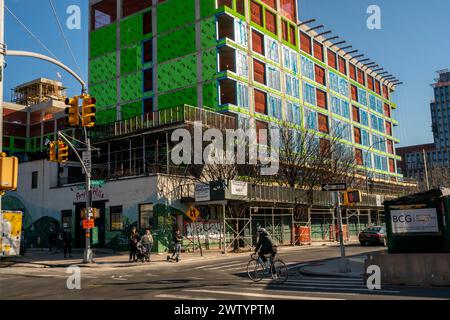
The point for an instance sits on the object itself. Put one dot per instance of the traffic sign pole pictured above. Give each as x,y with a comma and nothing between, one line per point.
344,265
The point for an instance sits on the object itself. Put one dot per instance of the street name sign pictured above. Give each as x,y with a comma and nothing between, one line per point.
334,187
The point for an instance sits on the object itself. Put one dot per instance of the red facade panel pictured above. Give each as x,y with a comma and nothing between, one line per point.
260,102
257,42
318,51
305,43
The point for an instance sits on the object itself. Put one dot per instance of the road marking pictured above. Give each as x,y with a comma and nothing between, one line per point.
300,285
226,266
258,295
290,291
181,297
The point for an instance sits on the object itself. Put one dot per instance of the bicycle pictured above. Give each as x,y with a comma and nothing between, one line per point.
256,269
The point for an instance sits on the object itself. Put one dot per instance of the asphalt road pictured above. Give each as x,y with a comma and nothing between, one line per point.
223,279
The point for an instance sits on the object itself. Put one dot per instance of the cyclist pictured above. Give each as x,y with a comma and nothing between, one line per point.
265,246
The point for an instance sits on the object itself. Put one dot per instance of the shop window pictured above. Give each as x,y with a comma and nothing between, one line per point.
357,135
240,7
320,74
284,30
259,71
355,112
103,13
370,83
342,65
116,218
260,102
331,59
305,43
361,78
288,9
34,180
227,92
354,92
256,13
359,157
323,123
148,80
66,219
387,110
318,51
227,59
258,42
352,71
293,39
271,22
145,216
147,23
132,6
321,99
377,87
148,51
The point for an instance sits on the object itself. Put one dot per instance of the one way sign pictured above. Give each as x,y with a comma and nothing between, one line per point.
334,187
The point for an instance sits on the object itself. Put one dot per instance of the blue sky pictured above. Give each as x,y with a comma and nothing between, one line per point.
413,44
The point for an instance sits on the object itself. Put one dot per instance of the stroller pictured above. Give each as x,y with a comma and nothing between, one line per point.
142,253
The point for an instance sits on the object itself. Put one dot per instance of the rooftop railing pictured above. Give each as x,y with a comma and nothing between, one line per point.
184,114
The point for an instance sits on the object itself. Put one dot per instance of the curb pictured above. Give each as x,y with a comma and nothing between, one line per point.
304,272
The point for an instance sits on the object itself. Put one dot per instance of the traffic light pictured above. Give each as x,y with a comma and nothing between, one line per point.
9,167
63,152
52,152
88,111
72,111
352,197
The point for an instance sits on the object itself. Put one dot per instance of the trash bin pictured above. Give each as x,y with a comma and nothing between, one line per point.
417,223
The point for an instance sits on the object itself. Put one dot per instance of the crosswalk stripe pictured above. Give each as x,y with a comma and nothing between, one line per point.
182,297
278,289
259,295
294,285
225,266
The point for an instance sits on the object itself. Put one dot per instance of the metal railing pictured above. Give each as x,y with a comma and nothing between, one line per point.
166,117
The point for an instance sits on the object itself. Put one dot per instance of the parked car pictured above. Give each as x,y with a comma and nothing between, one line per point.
373,236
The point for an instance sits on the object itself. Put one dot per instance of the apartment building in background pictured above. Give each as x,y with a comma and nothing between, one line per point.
239,57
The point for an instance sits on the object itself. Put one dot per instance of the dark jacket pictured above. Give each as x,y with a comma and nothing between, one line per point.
134,238
177,238
67,238
265,243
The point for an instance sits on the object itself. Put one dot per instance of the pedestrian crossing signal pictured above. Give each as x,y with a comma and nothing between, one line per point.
352,197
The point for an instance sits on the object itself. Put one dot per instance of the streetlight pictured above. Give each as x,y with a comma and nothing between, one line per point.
367,172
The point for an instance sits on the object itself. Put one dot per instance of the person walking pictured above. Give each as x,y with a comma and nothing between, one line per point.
134,239
177,239
52,240
147,241
67,243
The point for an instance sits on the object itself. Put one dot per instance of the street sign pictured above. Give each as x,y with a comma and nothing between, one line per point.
193,213
88,224
94,235
334,187
87,160
97,183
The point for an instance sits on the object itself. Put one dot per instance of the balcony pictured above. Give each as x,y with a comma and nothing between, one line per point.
171,117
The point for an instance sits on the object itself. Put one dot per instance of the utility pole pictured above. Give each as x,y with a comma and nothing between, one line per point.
426,169
2,63
89,212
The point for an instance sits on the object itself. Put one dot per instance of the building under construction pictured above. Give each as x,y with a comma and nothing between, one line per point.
36,112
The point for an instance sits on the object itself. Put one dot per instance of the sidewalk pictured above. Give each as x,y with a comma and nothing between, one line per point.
330,268
104,258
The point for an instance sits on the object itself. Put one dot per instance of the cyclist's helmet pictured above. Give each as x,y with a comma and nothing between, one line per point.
262,231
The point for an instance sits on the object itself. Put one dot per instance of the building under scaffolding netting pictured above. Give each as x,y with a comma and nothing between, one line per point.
38,91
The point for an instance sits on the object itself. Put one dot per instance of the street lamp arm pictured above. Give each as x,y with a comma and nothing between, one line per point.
60,134
51,60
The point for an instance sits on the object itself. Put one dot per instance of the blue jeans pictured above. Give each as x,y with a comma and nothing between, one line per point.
177,250
149,247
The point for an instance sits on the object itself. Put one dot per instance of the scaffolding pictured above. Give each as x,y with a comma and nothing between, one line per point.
38,91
